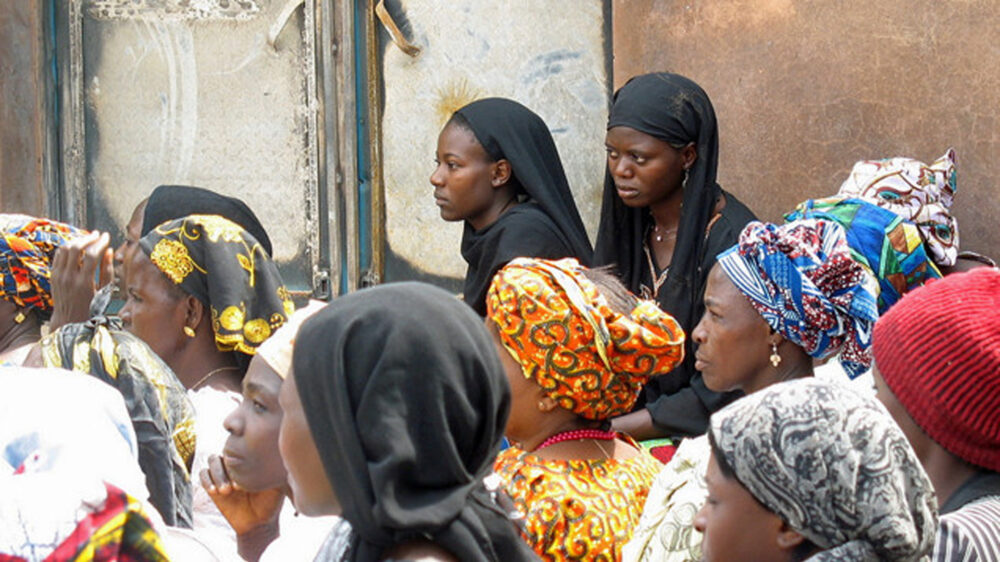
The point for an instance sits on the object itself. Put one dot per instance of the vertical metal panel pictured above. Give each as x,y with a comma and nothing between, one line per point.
227,96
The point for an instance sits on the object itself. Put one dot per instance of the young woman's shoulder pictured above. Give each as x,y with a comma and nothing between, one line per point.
527,230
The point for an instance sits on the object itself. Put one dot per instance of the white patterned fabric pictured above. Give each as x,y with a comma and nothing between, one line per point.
833,465
917,192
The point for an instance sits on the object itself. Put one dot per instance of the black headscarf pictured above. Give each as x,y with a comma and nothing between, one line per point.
222,265
675,110
168,202
508,130
407,401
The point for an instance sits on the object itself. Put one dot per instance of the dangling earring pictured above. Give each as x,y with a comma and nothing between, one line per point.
20,317
189,331
684,182
775,358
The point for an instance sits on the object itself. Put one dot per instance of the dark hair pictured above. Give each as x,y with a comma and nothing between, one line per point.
620,299
803,550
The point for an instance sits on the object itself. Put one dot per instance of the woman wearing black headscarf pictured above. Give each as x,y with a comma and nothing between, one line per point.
403,463
663,220
499,171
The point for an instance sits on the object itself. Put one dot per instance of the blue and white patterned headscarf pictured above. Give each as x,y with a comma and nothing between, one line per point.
801,278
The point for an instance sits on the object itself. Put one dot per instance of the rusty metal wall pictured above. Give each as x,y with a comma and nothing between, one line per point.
805,89
25,132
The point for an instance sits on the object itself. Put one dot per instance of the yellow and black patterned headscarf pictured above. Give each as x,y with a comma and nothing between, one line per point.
222,265
590,359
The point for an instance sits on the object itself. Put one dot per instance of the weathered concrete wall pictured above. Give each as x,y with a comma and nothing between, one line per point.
805,89
22,103
472,50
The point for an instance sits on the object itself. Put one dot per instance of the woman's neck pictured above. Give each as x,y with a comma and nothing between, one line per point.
505,201
214,368
795,365
667,213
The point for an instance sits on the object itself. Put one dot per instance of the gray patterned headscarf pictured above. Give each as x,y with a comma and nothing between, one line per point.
833,465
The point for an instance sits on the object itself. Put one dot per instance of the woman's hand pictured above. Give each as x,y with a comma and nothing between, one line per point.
253,515
74,282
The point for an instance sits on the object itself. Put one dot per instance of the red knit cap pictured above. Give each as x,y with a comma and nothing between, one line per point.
938,350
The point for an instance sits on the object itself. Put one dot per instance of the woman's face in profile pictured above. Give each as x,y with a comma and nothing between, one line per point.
312,492
154,311
734,524
731,338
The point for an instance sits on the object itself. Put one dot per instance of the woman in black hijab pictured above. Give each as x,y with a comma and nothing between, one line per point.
392,418
663,220
499,171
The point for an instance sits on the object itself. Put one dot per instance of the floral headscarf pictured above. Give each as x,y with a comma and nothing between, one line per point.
891,248
592,360
801,278
27,246
221,264
917,192
832,464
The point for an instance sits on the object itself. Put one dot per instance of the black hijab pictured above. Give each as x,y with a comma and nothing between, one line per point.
508,130
407,401
168,202
675,110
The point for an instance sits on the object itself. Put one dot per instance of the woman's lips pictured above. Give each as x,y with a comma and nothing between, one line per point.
626,192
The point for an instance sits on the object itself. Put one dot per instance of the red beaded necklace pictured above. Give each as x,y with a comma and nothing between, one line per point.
575,434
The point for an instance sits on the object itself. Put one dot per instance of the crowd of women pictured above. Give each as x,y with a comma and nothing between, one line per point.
699,385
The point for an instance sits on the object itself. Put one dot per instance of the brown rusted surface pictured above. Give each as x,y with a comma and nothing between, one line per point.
22,119
804,89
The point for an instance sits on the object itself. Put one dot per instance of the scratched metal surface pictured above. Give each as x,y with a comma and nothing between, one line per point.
191,93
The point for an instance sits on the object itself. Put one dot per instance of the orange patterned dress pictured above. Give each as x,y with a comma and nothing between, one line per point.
578,510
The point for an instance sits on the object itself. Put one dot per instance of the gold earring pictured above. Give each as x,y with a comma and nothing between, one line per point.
775,358
189,331
20,317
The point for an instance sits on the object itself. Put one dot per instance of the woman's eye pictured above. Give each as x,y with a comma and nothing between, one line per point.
942,232
258,407
639,159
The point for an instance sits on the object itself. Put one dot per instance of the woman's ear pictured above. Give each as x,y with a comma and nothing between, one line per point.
788,538
194,312
500,173
689,154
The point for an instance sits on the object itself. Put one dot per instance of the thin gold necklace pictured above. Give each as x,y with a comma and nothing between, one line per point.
601,447
209,375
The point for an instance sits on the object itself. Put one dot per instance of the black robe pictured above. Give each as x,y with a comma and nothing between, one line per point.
675,110
548,224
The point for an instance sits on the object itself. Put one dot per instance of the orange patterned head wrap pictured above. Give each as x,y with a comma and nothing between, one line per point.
590,359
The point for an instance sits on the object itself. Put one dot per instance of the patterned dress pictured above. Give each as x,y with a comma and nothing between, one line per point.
578,510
